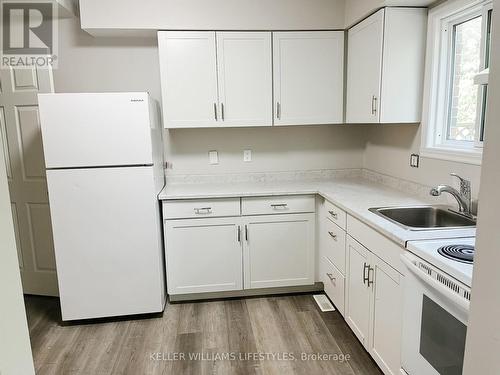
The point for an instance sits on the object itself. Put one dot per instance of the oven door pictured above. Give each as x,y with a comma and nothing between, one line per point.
434,324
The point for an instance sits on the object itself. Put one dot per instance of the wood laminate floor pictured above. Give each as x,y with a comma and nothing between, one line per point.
254,328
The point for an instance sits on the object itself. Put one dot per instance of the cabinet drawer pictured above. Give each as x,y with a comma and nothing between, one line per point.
335,214
199,208
287,204
335,245
378,244
333,282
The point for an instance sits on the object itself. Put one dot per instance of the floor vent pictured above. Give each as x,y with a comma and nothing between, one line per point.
323,302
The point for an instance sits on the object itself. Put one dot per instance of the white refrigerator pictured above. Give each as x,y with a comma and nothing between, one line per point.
103,155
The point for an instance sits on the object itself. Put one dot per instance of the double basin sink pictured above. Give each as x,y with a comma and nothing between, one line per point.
425,217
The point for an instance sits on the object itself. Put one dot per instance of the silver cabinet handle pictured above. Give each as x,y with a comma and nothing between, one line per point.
374,105
246,233
330,276
222,111
239,234
278,110
215,111
203,210
365,267
334,236
334,214
370,270
279,205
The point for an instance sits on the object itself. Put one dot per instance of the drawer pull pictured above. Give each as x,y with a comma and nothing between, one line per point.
279,206
335,215
334,236
330,276
203,211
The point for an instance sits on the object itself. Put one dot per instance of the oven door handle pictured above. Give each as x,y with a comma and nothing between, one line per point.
462,303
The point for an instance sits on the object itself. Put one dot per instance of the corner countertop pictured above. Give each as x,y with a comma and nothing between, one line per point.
355,195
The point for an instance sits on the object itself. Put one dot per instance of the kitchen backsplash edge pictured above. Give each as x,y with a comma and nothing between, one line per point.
407,186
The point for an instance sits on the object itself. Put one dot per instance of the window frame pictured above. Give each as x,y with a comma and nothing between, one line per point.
438,80
483,89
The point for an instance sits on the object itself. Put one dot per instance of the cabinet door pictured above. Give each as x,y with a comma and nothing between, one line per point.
203,255
279,250
308,77
364,66
245,78
357,309
385,320
188,78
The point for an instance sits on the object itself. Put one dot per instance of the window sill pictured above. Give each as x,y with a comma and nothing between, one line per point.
473,156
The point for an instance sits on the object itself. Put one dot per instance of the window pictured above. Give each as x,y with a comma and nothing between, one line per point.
454,104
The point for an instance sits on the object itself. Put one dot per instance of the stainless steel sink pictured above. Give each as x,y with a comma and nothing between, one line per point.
424,217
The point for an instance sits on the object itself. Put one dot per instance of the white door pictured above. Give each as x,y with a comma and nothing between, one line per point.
107,236
23,153
203,255
279,250
245,78
188,71
98,129
386,313
308,77
364,70
357,307
15,349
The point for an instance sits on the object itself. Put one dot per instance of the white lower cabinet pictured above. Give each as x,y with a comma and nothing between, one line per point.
373,305
203,255
357,311
279,250
386,310
272,247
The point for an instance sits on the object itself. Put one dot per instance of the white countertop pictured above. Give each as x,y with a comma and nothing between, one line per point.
354,195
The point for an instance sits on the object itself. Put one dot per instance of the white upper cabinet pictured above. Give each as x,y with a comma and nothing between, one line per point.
385,66
308,77
217,79
188,78
244,69
364,63
214,79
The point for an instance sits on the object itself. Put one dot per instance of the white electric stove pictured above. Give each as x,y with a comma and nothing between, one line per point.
453,256
436,305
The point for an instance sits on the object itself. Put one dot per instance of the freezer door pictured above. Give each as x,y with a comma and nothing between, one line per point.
107,236
95,129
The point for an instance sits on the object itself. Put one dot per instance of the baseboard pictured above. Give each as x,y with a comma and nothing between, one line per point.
316,287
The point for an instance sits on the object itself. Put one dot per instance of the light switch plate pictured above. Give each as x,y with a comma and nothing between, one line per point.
213,157
247,155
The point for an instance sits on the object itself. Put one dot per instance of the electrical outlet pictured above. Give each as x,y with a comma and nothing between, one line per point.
414,160
213,157
247,155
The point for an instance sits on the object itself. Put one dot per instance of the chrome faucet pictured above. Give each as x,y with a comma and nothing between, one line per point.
463,196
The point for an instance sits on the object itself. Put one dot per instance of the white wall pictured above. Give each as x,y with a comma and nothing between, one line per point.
15,349
89,64
274,149
356,10
388,151
483,333
119,64
122,64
